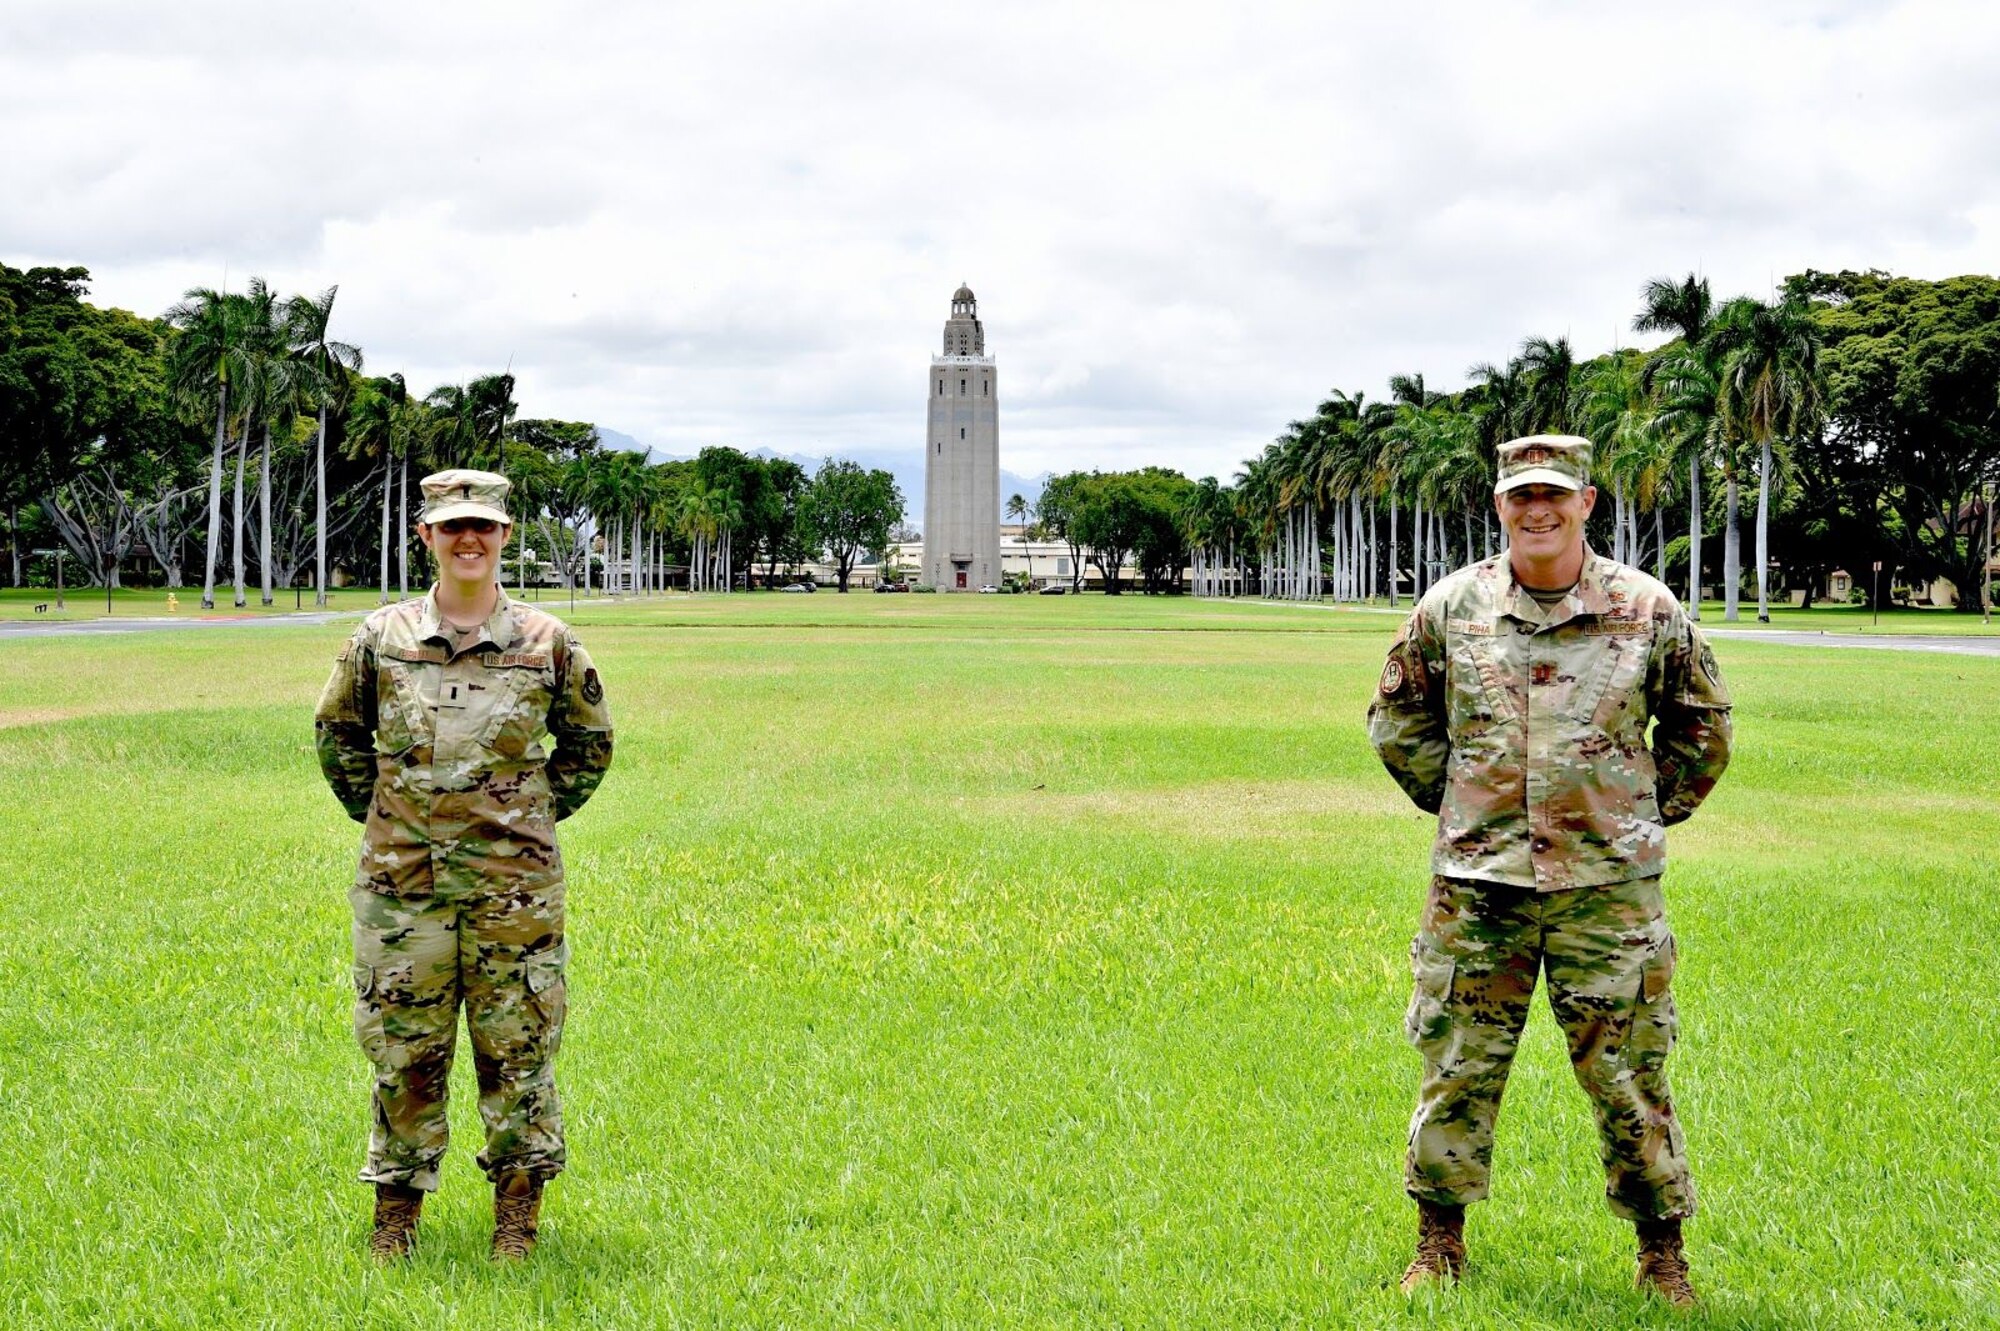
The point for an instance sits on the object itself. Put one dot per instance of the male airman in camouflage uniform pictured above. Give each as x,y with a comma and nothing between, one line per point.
431,732
1514,704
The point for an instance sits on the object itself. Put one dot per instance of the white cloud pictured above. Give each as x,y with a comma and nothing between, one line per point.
742,224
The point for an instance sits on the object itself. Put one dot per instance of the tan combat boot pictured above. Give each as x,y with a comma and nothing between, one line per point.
517,1215
396,1212
1663,1270
1440,1247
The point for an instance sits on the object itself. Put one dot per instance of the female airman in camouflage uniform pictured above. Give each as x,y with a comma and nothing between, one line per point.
432,733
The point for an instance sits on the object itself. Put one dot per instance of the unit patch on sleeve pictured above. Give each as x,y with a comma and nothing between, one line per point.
1392,678
593,688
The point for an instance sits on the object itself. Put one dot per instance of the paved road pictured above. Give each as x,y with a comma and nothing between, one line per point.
1882,642
28,628
1897,642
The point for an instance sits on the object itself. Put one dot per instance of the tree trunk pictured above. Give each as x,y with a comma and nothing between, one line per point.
242,458
319,535
1392,550
1694,537
264,519
1732,550
1419,531
388,492
403,527
1763,532
215,498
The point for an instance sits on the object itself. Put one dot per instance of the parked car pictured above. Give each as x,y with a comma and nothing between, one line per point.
1056,589
989,590
798,587
892,586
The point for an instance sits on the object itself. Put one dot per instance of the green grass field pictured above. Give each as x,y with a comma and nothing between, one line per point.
151,603
980,962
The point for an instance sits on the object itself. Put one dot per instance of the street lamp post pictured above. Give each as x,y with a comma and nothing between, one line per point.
298,525
58,553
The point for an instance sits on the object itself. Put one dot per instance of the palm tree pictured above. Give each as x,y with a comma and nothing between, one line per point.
1023,512
371,433
327,365
1768,357
489,408
452,437
1686,309
1550,370
207,354
271,385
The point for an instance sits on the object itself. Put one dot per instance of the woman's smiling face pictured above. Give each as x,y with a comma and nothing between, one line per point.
467,549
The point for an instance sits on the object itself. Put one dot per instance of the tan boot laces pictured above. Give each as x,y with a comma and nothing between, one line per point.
1663,1268
1440,1247
396,1212
517,1210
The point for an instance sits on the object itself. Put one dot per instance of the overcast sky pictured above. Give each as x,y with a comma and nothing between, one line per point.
742,224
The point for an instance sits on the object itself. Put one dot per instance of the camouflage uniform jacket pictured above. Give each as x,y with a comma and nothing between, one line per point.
441,756
1525,732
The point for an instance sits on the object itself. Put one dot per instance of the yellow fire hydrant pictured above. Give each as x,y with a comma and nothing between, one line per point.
173,603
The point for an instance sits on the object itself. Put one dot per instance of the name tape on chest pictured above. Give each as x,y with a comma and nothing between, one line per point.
424,655
529,660
1470,628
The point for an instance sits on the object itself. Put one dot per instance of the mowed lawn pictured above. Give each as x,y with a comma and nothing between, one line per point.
981,962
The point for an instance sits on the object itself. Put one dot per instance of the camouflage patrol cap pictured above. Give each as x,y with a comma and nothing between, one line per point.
1544,459
465,494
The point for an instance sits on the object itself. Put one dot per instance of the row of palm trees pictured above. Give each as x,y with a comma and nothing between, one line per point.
1327,507
259,364
258,361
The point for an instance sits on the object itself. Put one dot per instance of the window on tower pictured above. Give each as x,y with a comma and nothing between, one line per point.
961,432
961,385
940,388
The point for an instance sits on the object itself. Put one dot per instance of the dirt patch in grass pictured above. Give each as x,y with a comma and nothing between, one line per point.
1210,809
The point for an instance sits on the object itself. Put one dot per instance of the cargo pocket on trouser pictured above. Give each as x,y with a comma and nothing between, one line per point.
1655,1022
548,997
1428,1025
368,1028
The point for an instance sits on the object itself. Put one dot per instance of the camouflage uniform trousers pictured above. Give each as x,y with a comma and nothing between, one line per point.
501,952
1609,957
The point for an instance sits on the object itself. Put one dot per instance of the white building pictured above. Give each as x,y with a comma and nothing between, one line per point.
962,457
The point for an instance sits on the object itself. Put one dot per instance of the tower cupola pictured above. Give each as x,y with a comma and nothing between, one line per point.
963,335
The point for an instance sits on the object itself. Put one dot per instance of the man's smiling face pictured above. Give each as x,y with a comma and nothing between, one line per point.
1544,522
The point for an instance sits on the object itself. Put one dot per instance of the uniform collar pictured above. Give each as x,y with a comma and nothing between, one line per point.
498,629
1588,597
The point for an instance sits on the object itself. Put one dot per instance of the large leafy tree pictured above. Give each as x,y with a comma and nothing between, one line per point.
1912,373
1061,496
771,515
850,510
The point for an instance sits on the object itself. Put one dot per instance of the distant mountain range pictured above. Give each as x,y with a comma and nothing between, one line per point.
906,467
